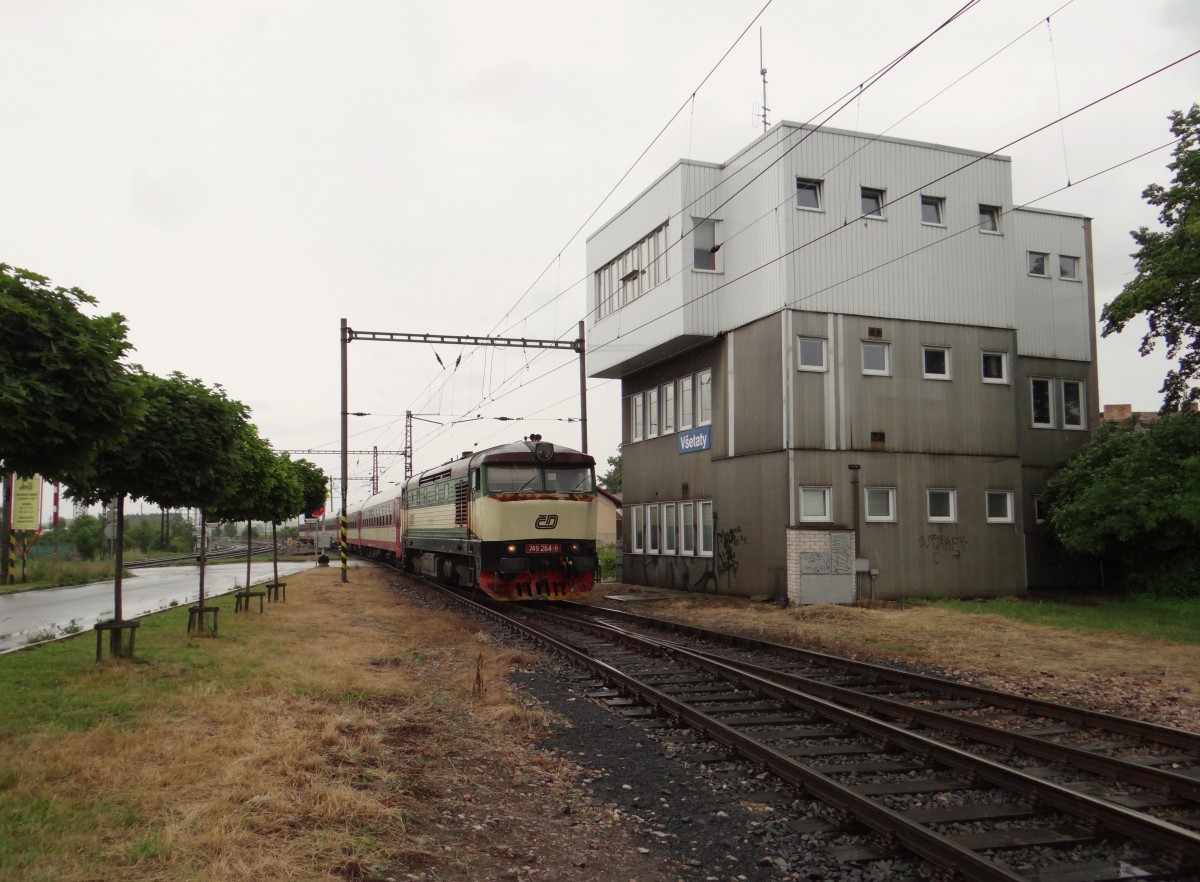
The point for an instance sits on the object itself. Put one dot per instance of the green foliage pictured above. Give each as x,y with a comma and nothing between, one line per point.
1161,618
607,556
611,480
1167,286
314,485
83,534
63,388
143,535
1132,497
182,453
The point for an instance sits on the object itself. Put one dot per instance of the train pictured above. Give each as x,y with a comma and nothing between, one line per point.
516,522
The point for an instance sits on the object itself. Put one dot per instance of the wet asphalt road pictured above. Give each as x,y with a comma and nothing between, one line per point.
29,613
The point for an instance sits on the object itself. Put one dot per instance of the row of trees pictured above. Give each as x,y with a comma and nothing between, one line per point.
75,411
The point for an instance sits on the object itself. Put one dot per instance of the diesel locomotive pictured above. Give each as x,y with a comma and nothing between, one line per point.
517,522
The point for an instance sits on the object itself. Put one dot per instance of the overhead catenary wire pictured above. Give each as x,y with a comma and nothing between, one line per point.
686,210
560,293
871,80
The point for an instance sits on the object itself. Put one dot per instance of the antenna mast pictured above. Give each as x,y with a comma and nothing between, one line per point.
763,74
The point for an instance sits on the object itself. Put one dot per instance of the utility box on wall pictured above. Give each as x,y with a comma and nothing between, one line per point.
820,566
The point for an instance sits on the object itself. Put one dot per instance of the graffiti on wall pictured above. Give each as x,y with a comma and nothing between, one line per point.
836,560
703,574
941,546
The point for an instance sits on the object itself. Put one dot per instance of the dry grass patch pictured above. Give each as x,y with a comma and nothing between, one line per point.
1125,674
344,734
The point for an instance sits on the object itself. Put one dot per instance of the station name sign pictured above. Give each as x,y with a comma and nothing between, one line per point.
694,440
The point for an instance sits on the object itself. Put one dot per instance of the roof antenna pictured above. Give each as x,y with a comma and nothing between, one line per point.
763,74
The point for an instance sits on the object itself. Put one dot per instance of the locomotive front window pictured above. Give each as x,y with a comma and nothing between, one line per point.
532,479
514,479
568,480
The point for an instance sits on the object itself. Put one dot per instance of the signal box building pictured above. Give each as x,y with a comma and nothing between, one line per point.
848,364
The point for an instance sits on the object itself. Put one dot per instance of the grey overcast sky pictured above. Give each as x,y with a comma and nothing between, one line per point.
236,176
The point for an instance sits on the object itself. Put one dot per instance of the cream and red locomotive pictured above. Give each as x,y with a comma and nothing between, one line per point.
517,522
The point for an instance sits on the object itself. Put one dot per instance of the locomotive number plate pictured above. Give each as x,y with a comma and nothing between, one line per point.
542,548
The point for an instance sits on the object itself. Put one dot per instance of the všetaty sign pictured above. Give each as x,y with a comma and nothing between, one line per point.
694,440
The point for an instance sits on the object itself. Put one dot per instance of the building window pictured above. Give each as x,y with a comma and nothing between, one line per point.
636,524
931,210
638,418
704,381
668,528
808,194
704,245
687,528
989,218
995,367
1068,268
811,354
814,503
652,413
652,545
1037,263
935,362
668,408
632,273
706,528
1039,509
1072,405
942,506
686,403
1041,402
999,507
872,202
881,503
876,358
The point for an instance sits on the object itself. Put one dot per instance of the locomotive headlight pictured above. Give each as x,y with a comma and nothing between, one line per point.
512,549
574,546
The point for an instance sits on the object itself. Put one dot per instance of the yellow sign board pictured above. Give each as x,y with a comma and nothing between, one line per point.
27,503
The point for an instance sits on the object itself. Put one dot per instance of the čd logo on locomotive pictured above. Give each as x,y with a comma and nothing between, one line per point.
546,522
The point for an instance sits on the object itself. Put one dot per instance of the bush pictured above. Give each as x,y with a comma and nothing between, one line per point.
606,555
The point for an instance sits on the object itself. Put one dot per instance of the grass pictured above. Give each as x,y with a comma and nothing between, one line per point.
1169,619
58,574
286,742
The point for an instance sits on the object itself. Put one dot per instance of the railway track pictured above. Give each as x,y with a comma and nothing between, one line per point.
210,555
982,784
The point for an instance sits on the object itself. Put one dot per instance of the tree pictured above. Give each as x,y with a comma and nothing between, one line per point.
63,388
314,484
83,534
1131,496
181,452
611,480
1167,286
